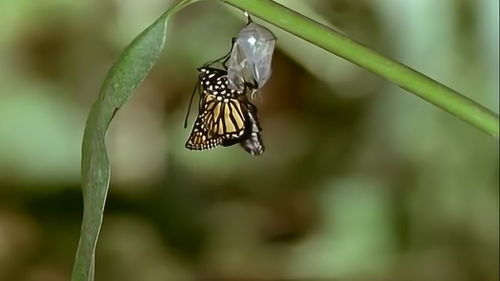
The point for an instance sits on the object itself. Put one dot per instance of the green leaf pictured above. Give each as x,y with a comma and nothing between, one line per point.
121,81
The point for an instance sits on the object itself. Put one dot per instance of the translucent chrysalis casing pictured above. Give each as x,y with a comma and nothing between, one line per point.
251,56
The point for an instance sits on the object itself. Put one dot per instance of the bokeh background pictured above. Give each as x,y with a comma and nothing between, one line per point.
360,180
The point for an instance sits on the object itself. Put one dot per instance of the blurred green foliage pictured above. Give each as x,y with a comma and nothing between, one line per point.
359,181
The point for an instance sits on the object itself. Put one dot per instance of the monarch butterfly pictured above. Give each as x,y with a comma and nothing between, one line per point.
225,117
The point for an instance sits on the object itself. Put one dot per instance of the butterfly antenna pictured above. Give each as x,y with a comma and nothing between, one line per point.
190,103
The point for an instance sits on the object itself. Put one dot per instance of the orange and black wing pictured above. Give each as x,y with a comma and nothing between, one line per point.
201,138
226,117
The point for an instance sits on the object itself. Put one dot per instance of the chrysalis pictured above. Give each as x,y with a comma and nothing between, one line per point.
251,56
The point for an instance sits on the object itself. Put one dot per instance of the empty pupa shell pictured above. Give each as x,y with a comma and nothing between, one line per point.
251,57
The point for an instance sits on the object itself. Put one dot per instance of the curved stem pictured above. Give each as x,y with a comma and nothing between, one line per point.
342,46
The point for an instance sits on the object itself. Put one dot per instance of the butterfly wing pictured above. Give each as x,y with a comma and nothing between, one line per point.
226,112
225,117
223,123
201,138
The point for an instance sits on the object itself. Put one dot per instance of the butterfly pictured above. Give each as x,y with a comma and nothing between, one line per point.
225,116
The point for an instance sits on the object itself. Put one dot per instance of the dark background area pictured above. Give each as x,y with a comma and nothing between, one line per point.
360,180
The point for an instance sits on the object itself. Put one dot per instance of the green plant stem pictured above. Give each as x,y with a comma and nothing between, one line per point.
342,46
122,79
